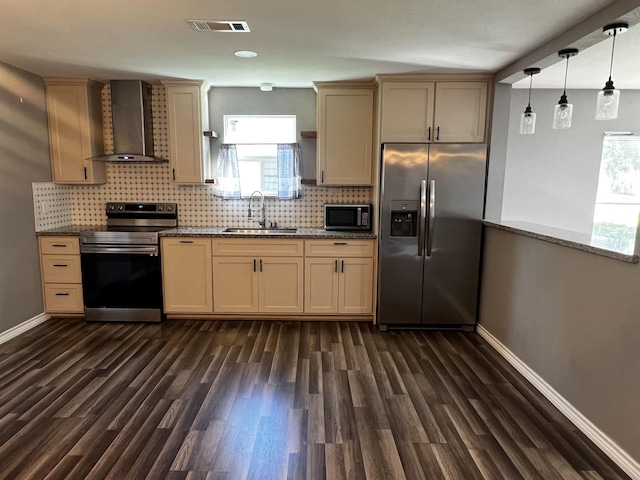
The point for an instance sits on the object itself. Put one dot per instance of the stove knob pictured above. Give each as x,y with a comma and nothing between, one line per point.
120,207
160,208
112,208
169,208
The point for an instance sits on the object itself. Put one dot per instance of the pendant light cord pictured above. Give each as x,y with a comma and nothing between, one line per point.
566,71
613,47
530,84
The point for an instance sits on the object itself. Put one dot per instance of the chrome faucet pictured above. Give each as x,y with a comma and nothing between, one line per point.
262,207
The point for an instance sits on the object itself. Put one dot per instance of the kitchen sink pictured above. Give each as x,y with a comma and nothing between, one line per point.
263,231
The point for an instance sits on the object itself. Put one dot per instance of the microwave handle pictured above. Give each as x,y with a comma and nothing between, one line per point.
359,217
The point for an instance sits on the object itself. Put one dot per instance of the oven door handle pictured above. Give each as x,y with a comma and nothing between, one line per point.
133,250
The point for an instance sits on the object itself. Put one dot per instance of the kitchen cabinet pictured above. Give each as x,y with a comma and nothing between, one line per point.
258,276
187,275
447,111
74,114
345,125
61,275
339,276
188,119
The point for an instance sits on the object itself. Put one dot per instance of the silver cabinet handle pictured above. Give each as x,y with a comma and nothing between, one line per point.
186,241
432,215
423,215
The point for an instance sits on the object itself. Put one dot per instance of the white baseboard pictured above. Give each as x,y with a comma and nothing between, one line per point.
597,436
23,327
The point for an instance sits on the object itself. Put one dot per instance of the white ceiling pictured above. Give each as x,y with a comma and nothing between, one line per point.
297,41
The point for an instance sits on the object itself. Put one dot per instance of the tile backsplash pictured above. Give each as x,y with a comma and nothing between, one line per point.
64,205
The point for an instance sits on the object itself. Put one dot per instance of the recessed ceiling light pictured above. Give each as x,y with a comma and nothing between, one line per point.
245,54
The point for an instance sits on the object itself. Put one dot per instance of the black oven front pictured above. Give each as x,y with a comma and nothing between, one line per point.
122,283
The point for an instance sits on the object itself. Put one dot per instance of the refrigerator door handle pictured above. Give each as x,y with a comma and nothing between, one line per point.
423,216
432,215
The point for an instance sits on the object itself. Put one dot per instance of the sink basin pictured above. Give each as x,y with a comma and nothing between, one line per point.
263,231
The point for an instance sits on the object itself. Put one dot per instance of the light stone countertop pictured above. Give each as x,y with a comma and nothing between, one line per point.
566,238
218,232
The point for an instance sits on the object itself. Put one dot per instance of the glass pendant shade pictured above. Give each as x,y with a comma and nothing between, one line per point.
607,103
562,116
527,122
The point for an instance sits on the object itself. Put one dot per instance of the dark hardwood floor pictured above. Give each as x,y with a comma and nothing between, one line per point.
211,400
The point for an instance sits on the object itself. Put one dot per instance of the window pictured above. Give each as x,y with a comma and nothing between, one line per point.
618,198
256,138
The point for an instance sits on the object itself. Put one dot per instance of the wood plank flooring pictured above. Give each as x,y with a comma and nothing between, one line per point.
214,400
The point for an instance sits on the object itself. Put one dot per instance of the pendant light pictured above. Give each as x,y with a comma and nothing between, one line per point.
528,118
609,98
563,110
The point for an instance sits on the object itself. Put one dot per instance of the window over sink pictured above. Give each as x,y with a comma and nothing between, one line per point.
256,139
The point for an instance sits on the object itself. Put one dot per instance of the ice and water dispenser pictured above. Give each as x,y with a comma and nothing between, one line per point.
404,218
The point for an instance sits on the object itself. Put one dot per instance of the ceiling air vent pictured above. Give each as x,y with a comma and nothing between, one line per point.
219,26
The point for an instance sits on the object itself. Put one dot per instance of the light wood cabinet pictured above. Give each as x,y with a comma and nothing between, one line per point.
188,119
339,276
187,275
257,276
61,274
447,111
74,113
345,134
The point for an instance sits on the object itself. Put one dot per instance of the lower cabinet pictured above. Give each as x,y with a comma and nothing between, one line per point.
258,276
186,275
61,274
342,284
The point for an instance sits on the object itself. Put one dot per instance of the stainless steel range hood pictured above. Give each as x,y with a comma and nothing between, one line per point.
132,123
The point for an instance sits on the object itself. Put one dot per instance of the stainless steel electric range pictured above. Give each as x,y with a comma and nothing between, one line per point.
121,270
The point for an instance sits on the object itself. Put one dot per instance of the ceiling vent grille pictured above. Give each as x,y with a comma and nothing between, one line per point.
219,26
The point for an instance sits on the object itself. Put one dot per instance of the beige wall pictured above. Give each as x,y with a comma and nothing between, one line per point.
574,319
24,158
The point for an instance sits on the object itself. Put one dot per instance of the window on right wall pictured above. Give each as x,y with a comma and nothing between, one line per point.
617,206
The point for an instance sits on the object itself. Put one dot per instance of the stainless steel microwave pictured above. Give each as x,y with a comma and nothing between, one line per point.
347,217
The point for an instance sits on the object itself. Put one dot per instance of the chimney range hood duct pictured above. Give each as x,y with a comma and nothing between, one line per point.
132,123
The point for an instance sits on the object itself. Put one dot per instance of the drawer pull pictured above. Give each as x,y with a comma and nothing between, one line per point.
341,243
59,245
62,294
186,241
60,265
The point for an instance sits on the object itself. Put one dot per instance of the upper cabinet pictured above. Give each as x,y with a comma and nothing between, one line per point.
188,119
74,111
443,111
345,123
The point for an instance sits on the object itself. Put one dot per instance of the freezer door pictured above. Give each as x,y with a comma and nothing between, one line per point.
452,261
404,171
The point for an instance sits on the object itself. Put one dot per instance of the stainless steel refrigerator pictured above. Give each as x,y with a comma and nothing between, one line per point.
431,207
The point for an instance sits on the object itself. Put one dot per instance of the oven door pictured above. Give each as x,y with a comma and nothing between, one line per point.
121,283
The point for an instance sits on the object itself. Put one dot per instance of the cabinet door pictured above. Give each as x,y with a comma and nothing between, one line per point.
321,285
280,285
461,110
235,285
186,274
356,286
407,111
186,144
345,136
75,130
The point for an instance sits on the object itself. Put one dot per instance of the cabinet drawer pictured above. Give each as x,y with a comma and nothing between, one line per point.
62,297
60,245
339,248
61,269
258,248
